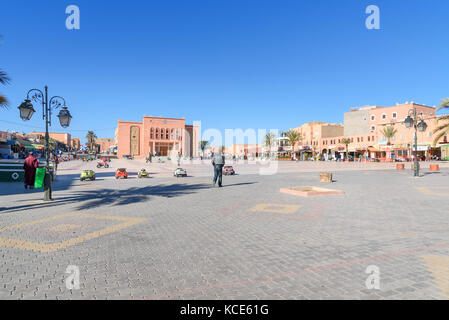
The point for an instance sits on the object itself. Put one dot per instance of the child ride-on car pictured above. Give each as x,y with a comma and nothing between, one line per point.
143,174
228,170
102,163
121,173
180,172
87,175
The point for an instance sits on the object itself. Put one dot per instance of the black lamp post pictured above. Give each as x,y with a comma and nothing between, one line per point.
421,126
26,112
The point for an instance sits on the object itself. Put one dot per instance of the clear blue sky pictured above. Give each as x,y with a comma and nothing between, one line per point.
229,63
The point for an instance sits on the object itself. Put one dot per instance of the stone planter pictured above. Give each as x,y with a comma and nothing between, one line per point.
325,177
434,167
400,166
310,191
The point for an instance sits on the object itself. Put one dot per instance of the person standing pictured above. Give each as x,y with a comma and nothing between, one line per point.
30,165
218,162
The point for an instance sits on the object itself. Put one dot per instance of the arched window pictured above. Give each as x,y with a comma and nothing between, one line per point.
172,134
162,133
157,133
166,133
152,133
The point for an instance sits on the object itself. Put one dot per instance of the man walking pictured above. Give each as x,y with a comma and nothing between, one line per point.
218,162
30,165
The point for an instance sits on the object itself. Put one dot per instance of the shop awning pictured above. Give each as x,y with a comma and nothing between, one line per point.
372,149
9,142
34,146
23,143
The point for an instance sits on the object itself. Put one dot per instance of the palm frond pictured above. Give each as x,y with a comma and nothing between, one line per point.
3,102
4,79
444,104
445,117
439,136
442,127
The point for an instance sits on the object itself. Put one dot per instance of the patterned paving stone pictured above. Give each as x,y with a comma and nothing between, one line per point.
193,241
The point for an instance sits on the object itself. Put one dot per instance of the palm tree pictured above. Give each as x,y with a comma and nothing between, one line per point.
269,139
52,144
389,132
203,145
346,142
91,137
293,137
443,128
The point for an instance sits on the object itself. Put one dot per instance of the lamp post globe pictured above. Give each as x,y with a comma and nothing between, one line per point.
64,117
26,110
408,122
422,126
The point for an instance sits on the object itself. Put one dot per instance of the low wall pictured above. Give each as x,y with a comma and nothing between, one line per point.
12,170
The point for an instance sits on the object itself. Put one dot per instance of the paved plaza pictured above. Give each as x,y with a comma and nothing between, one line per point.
180,238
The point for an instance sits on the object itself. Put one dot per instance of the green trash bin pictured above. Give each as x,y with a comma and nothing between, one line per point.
39,180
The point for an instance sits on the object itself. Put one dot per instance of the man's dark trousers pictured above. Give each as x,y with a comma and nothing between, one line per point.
218,173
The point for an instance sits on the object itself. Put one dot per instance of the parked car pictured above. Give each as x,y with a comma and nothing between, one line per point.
180,172
87,175
228,170
121,173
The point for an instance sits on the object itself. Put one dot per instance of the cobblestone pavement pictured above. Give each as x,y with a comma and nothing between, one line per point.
180,238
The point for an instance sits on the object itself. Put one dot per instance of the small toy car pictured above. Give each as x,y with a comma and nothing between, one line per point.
143,174
102,163
180,172
228,170
87,175
121,173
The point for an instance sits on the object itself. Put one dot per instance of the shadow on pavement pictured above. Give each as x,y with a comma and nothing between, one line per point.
238,184
102,197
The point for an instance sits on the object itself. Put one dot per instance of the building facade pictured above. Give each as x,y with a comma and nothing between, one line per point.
364,127
104,144
64,138
76,143
157,136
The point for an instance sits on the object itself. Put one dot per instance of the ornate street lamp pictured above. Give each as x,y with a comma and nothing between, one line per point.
421,126
408,122
64,117
27,111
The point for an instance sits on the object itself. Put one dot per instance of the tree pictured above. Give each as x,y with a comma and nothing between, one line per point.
293,137
52,144
269,139
91,137
389,132
346,142
442,128
203,145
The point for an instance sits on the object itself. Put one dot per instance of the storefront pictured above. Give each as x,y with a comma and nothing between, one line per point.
444,149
